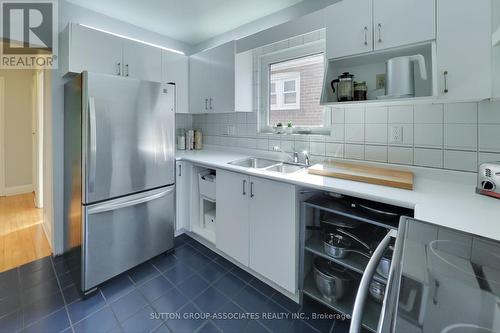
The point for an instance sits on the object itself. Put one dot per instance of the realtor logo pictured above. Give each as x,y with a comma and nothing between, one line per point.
29,34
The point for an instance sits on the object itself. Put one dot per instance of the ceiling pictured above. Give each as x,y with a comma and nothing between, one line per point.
190,21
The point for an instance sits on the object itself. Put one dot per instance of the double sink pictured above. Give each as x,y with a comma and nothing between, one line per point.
268,165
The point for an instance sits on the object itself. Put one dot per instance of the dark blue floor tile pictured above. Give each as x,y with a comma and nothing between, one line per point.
67,279
11,322
66,266
164,262
212,272
71,294
40,290
229,284
193,286
262,287
143,273
298,326
224,263
40,264
10,303
235,323
162,329
141,322
100,322
255,327
249,299
208,327
183,239
170,302
9,281
32,278
127,305
155,288
286,302
56,322
275,317
42,308
203,250
117,287
341,326
241,274
191,257
310,307
178,273
210,300
85,307
186,323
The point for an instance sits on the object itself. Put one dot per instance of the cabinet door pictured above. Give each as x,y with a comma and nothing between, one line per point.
397,22
348,28
273,232
222,78
199,82
175,68
94,51
182,193
231,226
464,49
141,61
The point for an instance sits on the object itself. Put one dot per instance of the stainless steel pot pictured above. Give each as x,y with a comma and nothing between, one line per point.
377,290
331,279
339,246
385,263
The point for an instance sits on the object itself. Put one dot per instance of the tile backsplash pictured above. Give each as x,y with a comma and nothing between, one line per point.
454,136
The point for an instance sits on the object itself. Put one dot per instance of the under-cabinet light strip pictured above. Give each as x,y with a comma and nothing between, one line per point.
133,39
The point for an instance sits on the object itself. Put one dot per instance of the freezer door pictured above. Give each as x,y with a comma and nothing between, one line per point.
129,138
125,232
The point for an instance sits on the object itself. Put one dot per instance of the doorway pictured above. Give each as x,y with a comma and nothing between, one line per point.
23,237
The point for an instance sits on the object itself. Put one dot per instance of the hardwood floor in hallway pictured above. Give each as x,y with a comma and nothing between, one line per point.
22,238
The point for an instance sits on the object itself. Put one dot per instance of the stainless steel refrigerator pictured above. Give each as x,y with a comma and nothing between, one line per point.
119,173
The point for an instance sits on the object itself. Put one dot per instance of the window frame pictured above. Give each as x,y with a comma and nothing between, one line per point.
279,84
265,61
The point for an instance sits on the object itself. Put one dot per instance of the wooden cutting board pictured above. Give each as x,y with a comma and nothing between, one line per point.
364,173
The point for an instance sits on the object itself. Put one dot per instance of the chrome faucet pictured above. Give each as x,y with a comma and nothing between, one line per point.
306,158
295,157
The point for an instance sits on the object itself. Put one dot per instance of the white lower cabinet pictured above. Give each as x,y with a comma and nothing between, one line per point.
183,173
257,225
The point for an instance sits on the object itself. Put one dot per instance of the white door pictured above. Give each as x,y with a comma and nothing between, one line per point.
94,51
464,49
2,138
221,98
199,82
273,232
38,112
397,22
182,193
231,226
175,68
141,61
349,28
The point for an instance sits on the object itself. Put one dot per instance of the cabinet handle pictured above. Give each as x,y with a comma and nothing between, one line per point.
180,170
366,35
251,190
119,68
206,103
445,74
244,187
126,70
380,32
210,104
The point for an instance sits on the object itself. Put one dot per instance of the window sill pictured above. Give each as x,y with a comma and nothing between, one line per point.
326,132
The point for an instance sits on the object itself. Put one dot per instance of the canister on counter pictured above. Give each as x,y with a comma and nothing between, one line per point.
198,139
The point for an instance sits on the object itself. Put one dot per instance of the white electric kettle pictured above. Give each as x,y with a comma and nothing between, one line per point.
400,78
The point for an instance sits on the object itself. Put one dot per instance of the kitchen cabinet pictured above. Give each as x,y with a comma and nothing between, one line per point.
464,49
175,68
183,174
349,34
397,23
257,225
141,61
199,82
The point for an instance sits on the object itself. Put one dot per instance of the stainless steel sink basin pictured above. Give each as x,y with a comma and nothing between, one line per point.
285,168
253,162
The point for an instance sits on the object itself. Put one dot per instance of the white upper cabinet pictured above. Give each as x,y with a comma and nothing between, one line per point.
141,61
403,22
349,28
464,49
199,82
222,67
175,68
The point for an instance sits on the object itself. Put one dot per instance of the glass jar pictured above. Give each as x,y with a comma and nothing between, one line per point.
360,90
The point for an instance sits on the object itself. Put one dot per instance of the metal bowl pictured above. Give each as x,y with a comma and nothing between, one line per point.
336,245
377,291
331,280
385,263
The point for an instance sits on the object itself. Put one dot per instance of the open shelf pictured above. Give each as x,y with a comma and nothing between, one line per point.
353,261
371,313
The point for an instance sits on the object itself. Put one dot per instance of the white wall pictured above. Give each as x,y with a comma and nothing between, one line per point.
18,108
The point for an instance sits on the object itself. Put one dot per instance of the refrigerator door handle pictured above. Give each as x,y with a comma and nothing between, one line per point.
92,143
129,201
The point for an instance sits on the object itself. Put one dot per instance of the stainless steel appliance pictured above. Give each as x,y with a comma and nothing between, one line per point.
345,87
400,77
119,170
488,181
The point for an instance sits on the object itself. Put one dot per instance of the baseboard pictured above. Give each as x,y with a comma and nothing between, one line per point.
15,190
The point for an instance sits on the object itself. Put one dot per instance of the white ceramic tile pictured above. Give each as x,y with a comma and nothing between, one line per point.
401,114
252,117
376,133
274,143
336,134
287,145
400,155
262,144
337,115
407,134
355,115
376,153
301,146
460,160
241,118
355,133
429,135
376,115
334,150
489,112
489,157
354,152
460,113
428,157
317,148
251,129
241,129
460,136
251,143
489,138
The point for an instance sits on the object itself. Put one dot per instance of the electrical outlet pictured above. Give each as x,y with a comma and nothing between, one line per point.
396,134
380,81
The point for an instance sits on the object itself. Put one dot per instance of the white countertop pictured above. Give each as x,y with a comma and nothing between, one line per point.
442,197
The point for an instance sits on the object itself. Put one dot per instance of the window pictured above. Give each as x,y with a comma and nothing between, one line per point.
285,91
